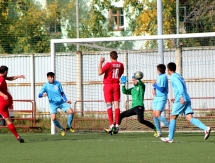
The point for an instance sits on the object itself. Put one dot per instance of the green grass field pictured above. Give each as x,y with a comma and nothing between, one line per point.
102,148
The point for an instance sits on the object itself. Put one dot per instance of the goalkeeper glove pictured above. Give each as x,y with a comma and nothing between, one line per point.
123,79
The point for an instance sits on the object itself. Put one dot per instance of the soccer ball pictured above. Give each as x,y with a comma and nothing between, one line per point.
138,75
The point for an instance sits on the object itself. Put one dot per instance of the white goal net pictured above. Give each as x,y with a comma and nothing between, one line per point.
77,71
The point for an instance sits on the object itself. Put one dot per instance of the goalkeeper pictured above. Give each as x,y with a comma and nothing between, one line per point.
137,93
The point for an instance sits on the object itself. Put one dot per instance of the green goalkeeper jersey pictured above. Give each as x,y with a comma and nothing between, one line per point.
137,93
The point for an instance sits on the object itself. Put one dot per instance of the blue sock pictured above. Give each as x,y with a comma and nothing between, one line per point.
69,120
198,123
157,124
164,120
172,127
57,123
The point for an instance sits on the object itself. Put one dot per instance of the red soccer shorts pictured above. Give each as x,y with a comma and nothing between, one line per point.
111,92
4,105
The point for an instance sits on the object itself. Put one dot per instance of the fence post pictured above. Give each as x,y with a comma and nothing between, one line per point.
179,60
32,71
126,98
79,86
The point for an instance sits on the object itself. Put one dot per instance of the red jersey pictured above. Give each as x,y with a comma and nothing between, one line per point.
3,89
112,72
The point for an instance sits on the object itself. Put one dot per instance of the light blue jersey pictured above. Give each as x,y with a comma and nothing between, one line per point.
54,92
56,96
161,88
179,87
162,82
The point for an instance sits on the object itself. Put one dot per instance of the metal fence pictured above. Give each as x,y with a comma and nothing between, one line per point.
197,69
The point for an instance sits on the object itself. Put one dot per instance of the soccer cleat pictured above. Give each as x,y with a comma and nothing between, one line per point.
106,130
70,129
116,130
207,133
63,132
167,140
110,130
157,134
20,139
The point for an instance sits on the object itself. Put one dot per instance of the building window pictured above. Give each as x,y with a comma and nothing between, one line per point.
55,25
117,19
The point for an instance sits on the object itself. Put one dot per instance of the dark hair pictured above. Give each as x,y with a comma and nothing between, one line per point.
114,55
161,68
171,66
51,74
3,69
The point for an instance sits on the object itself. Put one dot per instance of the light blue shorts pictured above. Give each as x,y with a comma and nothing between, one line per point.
179,108
159,104
53,107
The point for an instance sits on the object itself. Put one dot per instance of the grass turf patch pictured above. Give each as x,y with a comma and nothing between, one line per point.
101,147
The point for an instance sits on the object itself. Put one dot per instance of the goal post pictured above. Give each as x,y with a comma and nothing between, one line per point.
78,74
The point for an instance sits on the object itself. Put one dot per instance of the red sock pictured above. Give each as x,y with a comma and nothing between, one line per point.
110,115
13,130
117,115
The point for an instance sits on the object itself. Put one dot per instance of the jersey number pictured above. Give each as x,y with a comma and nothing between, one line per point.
115,73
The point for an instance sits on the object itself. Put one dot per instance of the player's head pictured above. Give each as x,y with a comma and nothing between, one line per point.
171,67
134,80
113,55
3,70
50,77
161,68
137,76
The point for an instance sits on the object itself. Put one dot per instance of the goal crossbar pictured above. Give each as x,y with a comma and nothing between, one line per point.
134,38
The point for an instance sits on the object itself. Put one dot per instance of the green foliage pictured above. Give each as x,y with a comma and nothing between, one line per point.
27,26
200,18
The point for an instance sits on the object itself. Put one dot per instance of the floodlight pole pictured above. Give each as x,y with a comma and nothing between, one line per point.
77,22
79,65
160,29
160,32
177,21
53,130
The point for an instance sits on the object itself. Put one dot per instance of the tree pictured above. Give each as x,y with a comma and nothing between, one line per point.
142,16
28,27
36,26
200,18
94,23
5,22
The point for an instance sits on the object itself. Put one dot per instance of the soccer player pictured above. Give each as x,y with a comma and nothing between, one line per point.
112,71
160,92
57,99
137,93
182,104
6,100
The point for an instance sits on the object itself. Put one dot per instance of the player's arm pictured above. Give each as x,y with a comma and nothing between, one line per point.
3,95
126,91
43,92
100,69
179,85
63,94
161,89
161,86
15,77
124,80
